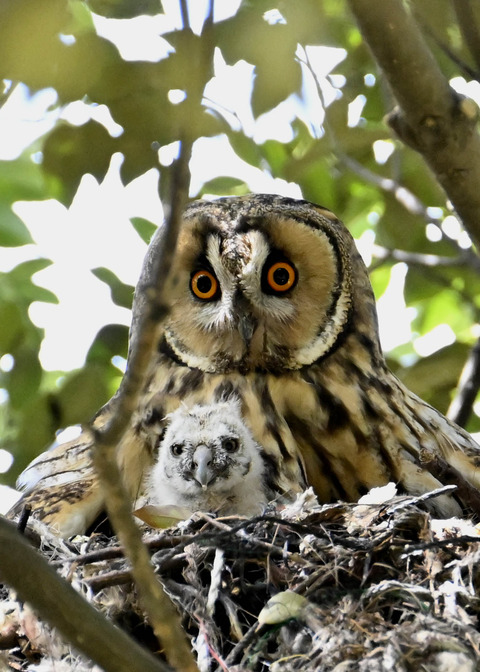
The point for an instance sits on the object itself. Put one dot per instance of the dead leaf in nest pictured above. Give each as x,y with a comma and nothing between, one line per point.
283,607
162,517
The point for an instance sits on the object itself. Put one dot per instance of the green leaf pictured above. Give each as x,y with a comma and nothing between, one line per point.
124,9
72,151
111,340
276,154
380,279
81,395
30,47
144,228
162,517
225,186
443,308
13,232
11,326
400,229
18,283
35,430
25,377
245,148
26,269
122,294
318,184
434,377
22,179
269,89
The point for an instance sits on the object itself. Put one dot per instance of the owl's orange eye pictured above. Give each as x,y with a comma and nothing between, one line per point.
204,285
281,276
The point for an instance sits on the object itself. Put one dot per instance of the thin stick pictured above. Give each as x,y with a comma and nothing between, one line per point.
461,407
162,614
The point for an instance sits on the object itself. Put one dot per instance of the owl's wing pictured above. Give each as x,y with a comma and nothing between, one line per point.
61,486
61,489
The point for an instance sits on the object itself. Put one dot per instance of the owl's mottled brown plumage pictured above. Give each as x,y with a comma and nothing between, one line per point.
285,322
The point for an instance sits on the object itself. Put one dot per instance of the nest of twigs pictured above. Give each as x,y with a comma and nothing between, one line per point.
340,587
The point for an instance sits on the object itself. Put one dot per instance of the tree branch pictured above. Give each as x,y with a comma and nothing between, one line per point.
420,259
152,306
402,194
463,67
162,614
468,26
56,602
461,407
431,117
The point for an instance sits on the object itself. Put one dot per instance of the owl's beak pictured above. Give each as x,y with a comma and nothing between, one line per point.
202,466
246,321
246,327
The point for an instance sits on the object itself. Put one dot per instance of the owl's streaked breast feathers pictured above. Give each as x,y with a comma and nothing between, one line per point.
271,305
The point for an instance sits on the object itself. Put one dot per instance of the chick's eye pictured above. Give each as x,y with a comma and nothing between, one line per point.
204,285
280,277
230,445
176,449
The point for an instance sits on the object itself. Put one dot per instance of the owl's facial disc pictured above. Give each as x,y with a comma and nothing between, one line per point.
270,294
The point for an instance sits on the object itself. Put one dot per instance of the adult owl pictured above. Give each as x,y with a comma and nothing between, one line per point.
208,461
271,306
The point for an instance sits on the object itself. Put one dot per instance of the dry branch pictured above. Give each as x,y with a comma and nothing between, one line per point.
161,612
151,308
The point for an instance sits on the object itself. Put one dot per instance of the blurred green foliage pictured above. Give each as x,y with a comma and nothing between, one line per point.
54,44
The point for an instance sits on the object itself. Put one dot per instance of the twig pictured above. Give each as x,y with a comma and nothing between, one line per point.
462,541
402,194
116,577
419,259
468,26
24,516
111,552
253,633
152,306
29,574
162,614
467,70
461,407
184,14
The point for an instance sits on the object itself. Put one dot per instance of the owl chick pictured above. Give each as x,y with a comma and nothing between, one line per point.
209,461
